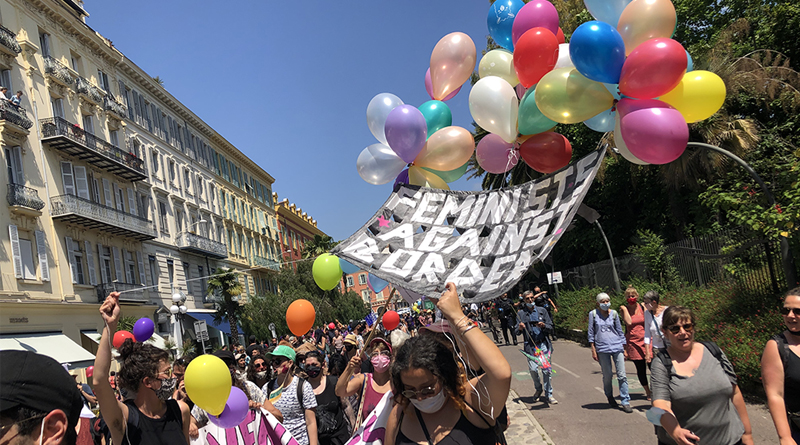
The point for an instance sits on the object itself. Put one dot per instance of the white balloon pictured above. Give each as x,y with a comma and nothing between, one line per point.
494,105
377,110
622,147
378,164
564,61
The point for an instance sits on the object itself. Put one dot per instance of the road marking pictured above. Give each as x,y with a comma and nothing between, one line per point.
566,370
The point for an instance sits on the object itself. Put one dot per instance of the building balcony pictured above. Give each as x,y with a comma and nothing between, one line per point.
89,91
73,140
8,42
24,200
58,72
265,263
189,242
111,104
132,293
15,115
91,215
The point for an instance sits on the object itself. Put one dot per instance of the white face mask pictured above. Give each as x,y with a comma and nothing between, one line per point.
431,404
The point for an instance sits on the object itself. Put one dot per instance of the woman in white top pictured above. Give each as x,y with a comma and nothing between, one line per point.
653,336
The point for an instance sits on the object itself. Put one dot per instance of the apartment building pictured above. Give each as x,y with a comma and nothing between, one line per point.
357,282
113,184
296,228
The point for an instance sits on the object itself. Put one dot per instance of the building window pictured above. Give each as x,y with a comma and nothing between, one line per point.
5,80
162,215
58,106
76,63
350,281
105,264
44,43
203,281
113,135
14,164
171,171
76,261
187,180
362,278
103,79
26,252
154,161
379,295
130,268
178,221
186,276
171,275
365,295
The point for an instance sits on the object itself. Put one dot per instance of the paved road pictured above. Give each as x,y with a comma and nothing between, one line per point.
582,415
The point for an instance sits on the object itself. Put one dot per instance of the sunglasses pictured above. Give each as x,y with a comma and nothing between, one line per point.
278,361
786,310
424,392
349,347
383,353
688,327
261,365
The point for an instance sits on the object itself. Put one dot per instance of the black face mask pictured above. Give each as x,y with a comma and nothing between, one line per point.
313,371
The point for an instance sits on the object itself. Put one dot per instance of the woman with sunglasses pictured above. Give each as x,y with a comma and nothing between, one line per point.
371,385
259,371
292,396
436,403
694,388
331,424
780,371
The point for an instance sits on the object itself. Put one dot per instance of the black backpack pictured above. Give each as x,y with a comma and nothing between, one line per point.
712,347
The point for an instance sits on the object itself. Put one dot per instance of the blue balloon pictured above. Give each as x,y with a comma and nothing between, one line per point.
501,17
375,283
613,88
603,122
597,51
347,267
607,11
689,62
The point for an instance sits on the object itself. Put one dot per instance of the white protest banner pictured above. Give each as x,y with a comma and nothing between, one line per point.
484,242
258,428
373,430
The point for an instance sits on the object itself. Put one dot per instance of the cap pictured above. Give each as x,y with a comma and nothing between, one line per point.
38,382
282,351
226,356
376,340
351,339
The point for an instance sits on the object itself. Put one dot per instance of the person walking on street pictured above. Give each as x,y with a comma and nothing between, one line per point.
535,324
653,336
505,312
607,341
542,298
633,314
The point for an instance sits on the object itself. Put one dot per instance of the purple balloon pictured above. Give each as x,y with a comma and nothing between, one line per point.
235,410
143,329
406,132
402,178
496,155
535,14
521,90
655,135
429,87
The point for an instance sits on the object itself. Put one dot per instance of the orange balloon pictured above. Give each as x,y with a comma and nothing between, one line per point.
452,63
300,316
643,20
447,149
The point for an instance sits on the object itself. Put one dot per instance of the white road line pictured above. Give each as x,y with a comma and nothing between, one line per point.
566,370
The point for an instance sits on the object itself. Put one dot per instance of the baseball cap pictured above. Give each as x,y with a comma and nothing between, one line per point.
282,351
351,339
226,356
380,340
38,382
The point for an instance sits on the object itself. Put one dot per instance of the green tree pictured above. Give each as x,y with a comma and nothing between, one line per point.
319,245
224,285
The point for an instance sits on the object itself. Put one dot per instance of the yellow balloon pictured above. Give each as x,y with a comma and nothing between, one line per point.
643,20
566,96
208,383
424,178
699,95
500,63
447,149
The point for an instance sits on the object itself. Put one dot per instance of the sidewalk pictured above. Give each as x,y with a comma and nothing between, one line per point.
523,429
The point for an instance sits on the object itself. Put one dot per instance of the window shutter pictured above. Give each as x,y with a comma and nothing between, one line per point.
107,193
67,178
41,249
73,266
103,272
132,202
118,265
140,264
128,276
81,183
90,263
120,203
13,234
17,155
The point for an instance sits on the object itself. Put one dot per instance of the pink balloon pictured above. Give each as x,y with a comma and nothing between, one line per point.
535,14
521,90
429,87
627,105
655,135
496,155
654,68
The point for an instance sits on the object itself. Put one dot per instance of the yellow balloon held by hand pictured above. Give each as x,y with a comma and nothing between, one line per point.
208,383
568,97
699,95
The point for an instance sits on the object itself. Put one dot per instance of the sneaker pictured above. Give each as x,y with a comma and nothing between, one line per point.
552,400
627,409
536,395
613,403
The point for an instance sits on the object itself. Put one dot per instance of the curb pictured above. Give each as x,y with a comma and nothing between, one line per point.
515,398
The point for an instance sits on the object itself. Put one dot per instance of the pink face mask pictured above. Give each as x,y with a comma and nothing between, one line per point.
380,363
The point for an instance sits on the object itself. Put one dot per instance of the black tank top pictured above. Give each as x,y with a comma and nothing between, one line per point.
143,430
791,375
463,433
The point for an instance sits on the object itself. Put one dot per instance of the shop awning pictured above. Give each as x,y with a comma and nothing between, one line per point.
156,340
224,326
55,345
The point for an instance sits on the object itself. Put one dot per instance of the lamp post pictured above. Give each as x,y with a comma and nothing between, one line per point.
178,311
592,216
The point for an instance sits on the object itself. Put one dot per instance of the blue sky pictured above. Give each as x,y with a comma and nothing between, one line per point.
288,83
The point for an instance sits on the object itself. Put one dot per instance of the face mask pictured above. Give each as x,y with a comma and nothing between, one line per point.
632,300
381,363
605,306
431,404
167,388
313,371
530,305
261,375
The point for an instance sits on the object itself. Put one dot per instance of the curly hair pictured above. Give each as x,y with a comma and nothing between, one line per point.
251,370
137,361
426,352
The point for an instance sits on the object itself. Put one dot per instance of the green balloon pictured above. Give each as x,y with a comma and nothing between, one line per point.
326,271
531,120
437,115
450,176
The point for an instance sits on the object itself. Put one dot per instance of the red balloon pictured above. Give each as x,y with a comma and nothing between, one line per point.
90,371
654,68
120,336
390,320
331,326
560,36
546,152
535,55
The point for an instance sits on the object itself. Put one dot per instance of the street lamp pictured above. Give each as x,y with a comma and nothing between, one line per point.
178,311
592,216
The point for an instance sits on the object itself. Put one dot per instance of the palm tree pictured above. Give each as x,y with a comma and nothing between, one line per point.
224,285
319,245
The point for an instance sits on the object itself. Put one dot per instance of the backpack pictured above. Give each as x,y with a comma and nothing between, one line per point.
712,347
612,314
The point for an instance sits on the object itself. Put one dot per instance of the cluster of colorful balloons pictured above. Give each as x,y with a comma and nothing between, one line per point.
421,146
621,72
142,331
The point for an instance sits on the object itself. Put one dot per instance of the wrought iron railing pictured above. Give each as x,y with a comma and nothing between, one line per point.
58,70
19,195
9,39
57,126
115,107
198,242
133,292
87,89
66,204
14,114
266,262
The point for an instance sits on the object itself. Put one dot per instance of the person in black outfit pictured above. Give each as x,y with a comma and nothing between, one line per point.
505,312
332,427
